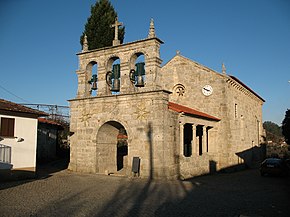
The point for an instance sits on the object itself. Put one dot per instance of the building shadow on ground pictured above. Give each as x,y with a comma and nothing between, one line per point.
11,178
220,194
211,194
45,170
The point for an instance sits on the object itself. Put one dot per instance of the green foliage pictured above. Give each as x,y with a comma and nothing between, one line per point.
273,131
98,27
286,127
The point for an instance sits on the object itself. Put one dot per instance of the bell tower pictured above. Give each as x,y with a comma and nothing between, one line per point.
119,88
119,70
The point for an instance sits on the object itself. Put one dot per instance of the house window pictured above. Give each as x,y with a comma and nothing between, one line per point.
7,127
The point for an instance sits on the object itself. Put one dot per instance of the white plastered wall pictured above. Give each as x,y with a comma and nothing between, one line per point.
23,151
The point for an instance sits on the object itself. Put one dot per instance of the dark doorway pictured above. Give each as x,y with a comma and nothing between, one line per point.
112,148
199,132
122,148
187,147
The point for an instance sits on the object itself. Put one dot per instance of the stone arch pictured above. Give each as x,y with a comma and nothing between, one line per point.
116,119
90,65
111,155
89,68
134,57
110,60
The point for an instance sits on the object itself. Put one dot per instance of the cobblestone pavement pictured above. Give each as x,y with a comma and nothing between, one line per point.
65,193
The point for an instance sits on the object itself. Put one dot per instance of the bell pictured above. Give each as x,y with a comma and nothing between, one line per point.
93,82
140,71
116,85
140,68
94,85
140,81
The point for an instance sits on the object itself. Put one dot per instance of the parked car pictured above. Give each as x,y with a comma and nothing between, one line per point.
274,166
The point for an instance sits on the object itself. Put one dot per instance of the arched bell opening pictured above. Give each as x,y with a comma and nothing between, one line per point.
112,148
137,70
113,75
92,77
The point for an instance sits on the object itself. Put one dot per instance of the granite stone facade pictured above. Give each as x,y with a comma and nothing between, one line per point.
186,120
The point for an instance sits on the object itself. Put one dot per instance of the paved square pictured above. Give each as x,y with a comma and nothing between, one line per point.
67,193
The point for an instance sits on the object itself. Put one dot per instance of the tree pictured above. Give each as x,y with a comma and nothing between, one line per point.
273,131
98,27
286,127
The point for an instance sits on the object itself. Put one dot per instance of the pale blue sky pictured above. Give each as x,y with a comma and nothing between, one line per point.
39,40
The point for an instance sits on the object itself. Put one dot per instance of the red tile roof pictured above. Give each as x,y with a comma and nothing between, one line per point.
14,107
45,121
190,111
122,136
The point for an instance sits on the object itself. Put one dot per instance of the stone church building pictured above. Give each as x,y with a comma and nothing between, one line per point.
178,120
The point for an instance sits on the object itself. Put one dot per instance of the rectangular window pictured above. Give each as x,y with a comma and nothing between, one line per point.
7,127
236,110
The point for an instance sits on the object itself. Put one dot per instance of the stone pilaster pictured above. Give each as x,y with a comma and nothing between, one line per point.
83,85
193,141
204,140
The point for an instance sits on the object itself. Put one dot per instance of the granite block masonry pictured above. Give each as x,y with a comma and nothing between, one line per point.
179,119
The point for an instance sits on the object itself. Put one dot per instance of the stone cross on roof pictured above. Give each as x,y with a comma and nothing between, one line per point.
116,41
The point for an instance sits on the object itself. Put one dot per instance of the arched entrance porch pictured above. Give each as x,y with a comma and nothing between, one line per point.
112,148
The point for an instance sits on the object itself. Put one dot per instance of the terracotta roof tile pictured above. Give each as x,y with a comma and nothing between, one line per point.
45,121
14,107
187,110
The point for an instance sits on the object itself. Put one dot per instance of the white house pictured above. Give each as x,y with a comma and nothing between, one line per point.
18,137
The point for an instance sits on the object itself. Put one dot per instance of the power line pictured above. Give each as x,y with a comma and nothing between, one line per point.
45,105
56,112
13,94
